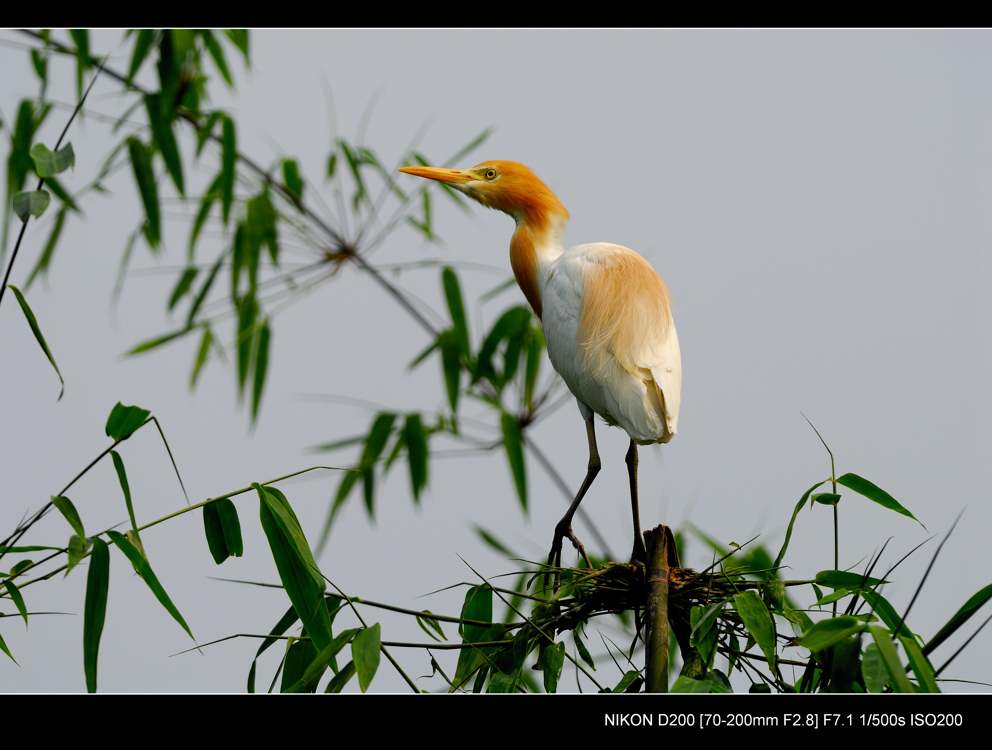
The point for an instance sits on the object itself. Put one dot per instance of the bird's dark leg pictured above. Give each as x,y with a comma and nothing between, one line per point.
639,554
564,527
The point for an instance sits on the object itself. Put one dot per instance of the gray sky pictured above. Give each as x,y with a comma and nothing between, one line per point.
816,200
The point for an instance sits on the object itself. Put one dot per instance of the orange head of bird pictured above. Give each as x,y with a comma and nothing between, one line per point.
504,185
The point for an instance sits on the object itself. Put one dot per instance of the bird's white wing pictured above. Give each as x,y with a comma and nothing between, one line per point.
610,335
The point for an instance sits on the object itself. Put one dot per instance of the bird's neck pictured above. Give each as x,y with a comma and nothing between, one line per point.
536,242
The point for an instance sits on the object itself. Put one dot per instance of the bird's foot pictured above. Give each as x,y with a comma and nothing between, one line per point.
554,557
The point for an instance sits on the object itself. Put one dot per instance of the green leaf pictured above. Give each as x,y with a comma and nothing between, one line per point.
76,551
689,685
890,658
261,365
291,176
214,529
160,117
365,652
122,476
217,54
201,355
825,498
842,579
416,447
67,509
95,609
125,420
146,346
183,285
82,40
828,632
451,364
247,316
298,571
309,679
31,203
36,330
960,617
513,442
231,525
875,494
873,669
382,428
551,662
920,665
142,46
229,156
15,596
239,37
45,259
795,514
427,621
453,295
341,678
144,569
758,621
206,203
299,655
141,162
48,163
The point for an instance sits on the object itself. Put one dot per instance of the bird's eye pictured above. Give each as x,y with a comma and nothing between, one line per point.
491,174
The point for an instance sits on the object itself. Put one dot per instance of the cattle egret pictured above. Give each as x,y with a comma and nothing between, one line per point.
607,319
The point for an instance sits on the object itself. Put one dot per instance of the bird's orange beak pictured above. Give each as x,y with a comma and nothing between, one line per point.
451,176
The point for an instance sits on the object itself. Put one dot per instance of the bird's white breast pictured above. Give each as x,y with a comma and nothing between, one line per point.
610,335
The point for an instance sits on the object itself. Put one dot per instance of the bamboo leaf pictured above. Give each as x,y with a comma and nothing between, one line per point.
122,476
513,442
890,658
45,259
36,330
920,665
160,118
291,176
873,669
95,609
231,525
415,438
48,163
758,621
15,596
453,295
792,521
960,617
67,509
142,46
261,365
144,569
828,632
76,551
183,285
31,203
308,680
201,355
214,530
125,420
874,493
365,653
141,162
146,346
341,678
297,569
229,156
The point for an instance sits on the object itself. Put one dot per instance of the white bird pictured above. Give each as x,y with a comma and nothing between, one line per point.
607,318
